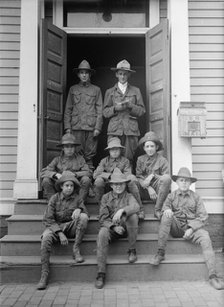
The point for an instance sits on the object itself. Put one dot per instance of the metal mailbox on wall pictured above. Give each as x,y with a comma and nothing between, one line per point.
192,119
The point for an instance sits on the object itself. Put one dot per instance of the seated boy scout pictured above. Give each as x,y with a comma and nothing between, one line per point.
84,112
123,105
106,168
118,219
69,159
184,216
152,171
65,217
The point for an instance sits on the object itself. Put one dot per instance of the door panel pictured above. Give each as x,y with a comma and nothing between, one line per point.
158,83
53,59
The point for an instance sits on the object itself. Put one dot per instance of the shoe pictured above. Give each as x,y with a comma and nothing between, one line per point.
216,282
158,214
157,259
100,281
141,215
132,256
43,282
77,256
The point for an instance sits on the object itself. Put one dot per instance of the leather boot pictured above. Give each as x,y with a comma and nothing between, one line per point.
43,281
76,247
159,257
100,280
76,255
132,256
216,282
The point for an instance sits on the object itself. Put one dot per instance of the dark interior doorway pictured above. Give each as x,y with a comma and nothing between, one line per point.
103,53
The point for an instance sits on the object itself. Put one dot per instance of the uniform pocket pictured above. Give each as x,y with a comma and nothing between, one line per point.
90,98
133,124
91,120
76,96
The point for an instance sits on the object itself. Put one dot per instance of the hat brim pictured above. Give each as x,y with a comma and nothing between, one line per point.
119,181
108,147
175,177
69,143
76,69
58,183
122,68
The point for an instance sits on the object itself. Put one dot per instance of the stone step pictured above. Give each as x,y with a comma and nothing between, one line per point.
38,206
32,224
27,269
29,245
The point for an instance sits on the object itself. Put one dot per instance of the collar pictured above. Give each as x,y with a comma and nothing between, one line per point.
116,196
179,192
114,159
150,158
86,84
63,197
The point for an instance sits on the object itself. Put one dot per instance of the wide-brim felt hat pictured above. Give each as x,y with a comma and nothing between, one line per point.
184,172
84,65
66,176
151,136
114,142
123,65
67,139
118,177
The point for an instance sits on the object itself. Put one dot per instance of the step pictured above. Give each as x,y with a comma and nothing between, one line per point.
32,224
146,244
63,269
38,206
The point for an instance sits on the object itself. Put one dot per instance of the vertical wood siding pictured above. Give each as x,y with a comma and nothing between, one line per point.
9,89
206,35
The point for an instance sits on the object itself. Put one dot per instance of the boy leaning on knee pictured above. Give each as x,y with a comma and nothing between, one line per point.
184,216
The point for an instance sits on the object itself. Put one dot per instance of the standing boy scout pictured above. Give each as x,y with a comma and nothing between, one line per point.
71,160
152,171
115,159
65,217
118,219
83,112
184,216
123,105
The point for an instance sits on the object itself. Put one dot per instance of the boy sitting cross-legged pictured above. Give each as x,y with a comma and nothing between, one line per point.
65,217
106,168
184,215
118,219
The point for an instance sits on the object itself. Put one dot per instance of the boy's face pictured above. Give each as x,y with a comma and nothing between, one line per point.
115,152
150,148
183,184
69,150
67,187
84,75
119,187
122,76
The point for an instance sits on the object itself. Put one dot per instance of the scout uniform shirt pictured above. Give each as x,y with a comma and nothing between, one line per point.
157,165
108,164
187,204
111,203
84,108
123,122
60,209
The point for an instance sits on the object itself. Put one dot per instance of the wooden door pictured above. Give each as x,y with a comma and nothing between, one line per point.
158,83
53,59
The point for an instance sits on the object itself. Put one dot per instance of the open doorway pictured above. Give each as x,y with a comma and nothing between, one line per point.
103,53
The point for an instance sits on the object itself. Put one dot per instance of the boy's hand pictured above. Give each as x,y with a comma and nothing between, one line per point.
63,238
76,213
119,106
58,176
147,180
188,234
152,193
96,133
168,213
119,229
117,216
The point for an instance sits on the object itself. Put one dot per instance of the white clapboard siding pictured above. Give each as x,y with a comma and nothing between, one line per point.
206,37
9,91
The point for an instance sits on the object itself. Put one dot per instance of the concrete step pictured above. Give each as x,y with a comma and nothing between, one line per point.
175,267
29,245
38,206
32,224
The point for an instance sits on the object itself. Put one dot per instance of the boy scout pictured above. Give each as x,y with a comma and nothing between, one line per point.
65,217
118,219
68,160
83,112
184,215
152,171
123,105
106,168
